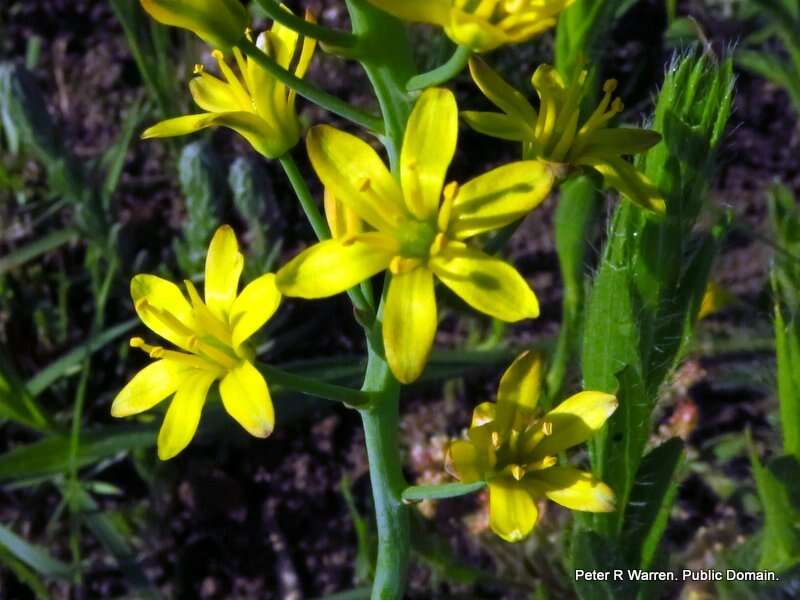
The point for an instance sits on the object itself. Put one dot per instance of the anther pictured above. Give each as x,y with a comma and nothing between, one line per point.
439,242
610,86
495,440
547,427
198,69
517,472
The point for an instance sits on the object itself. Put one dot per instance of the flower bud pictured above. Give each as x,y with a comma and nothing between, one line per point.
220,23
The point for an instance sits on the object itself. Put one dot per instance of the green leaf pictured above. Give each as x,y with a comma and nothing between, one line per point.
591,553
104,528
417,493
50,456
37,248
777,489
34,556
73,359
17,404
650,502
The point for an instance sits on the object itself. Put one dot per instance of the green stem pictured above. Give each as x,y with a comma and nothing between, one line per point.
320,226
309,91
443,73
332,37
381,425
315,387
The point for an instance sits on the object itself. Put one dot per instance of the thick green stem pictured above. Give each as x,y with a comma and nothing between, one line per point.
309,91
315,387
381,422
325,35
443,73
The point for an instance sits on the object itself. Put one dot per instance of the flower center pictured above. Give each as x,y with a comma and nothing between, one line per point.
416,239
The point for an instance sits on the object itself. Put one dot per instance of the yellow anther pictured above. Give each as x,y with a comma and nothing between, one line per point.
248,33
198,69
157,352
517,472
348,239
137,342
547,427
496,440
617,106
610,86
395,264
218,55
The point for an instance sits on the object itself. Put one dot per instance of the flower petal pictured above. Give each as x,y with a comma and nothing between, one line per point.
486,283
435,12
504,96
519,390
342,221
573,488
483,413
512,511
178,126
331,267
271,140
162,306
575,420
428,148
409,323
499,197
467,461
212,94
622,176
246,398
253,307
224,265
495,125
357,176
148,387
183,416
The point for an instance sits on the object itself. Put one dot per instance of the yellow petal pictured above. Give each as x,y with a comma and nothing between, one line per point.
475,32
519,390
622,176
331,267
341,219
486,283
148,387
212,94
575,420
221,23
483,413
178,126
512,511
435,12
253,307
409,323
357,176
573,488
269,140
183,416
428,148
504,96
467,460
224,265
246,398
499,197
162,306
496,125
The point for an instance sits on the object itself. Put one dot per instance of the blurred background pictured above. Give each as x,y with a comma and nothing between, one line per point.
87,510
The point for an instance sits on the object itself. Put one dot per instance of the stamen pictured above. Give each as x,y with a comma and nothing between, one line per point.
517,472
205,349
496,441
205,318
198,69
446,211
236,86
439,243
165,318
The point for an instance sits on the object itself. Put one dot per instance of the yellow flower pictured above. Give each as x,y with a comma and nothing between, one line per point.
220,23
481,25
557,134
212,335
514,450
256,105
417,229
